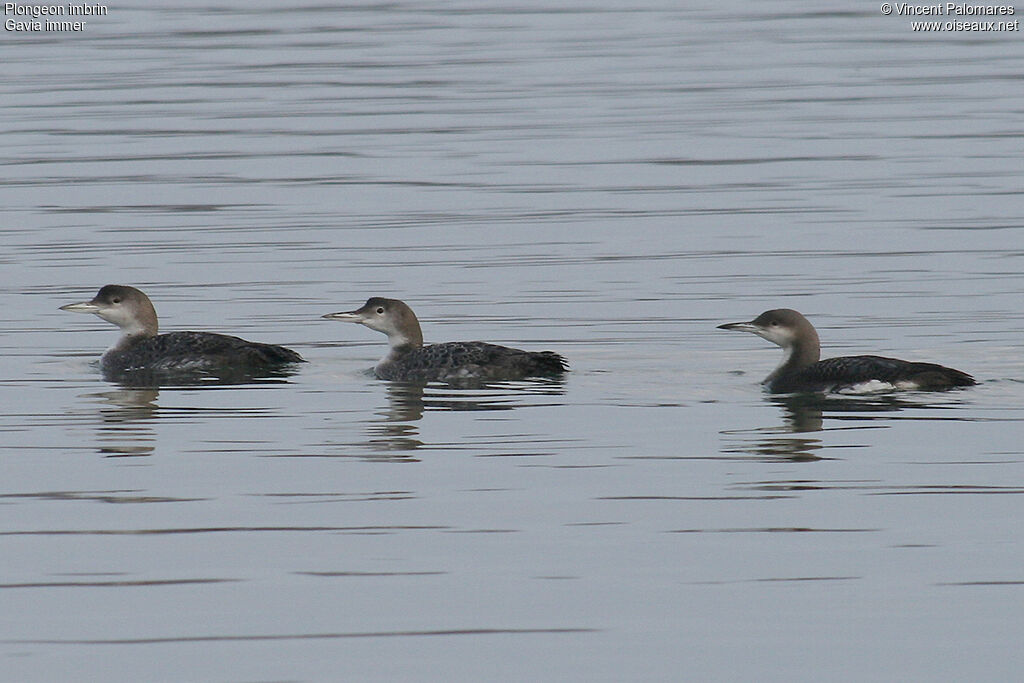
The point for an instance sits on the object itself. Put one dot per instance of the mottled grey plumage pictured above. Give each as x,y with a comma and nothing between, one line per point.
469,360
844,372
801,371
408,359
142,351
196,351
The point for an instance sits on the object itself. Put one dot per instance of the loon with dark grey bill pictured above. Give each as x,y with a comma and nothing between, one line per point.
802,371
408,359
140,349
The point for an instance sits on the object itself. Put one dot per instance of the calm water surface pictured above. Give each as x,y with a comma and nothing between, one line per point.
609,182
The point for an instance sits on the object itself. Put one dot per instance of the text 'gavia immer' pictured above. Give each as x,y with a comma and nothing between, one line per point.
409,359
801,371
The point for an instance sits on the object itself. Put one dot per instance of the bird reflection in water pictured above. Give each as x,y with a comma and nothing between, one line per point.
396,432
125,427
805,413
127,414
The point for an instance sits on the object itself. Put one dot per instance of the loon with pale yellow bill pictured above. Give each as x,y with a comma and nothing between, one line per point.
408,359
142,349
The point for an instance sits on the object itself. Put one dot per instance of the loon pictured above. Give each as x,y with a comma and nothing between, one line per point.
409,360
141,350
801,371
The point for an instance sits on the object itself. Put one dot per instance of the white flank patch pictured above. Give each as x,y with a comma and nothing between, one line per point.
874,386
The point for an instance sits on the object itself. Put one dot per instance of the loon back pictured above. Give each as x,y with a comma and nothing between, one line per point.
469,360
846,372
204,352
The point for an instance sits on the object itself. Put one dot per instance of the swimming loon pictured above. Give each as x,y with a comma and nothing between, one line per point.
801,371
409,359
141,349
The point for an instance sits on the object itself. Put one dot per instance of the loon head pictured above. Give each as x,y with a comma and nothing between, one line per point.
390,316
124,306
782,326
790,330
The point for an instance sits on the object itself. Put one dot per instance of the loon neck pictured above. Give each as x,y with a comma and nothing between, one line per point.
796,356
405,336
128,339
136,330
397,349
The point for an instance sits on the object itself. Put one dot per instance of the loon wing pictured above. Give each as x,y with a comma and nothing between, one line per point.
201,351
847,371
226,347
474,360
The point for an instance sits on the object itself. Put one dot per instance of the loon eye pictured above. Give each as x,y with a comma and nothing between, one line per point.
116,299
380,309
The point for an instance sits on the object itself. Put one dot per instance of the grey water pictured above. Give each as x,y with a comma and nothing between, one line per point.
606,180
